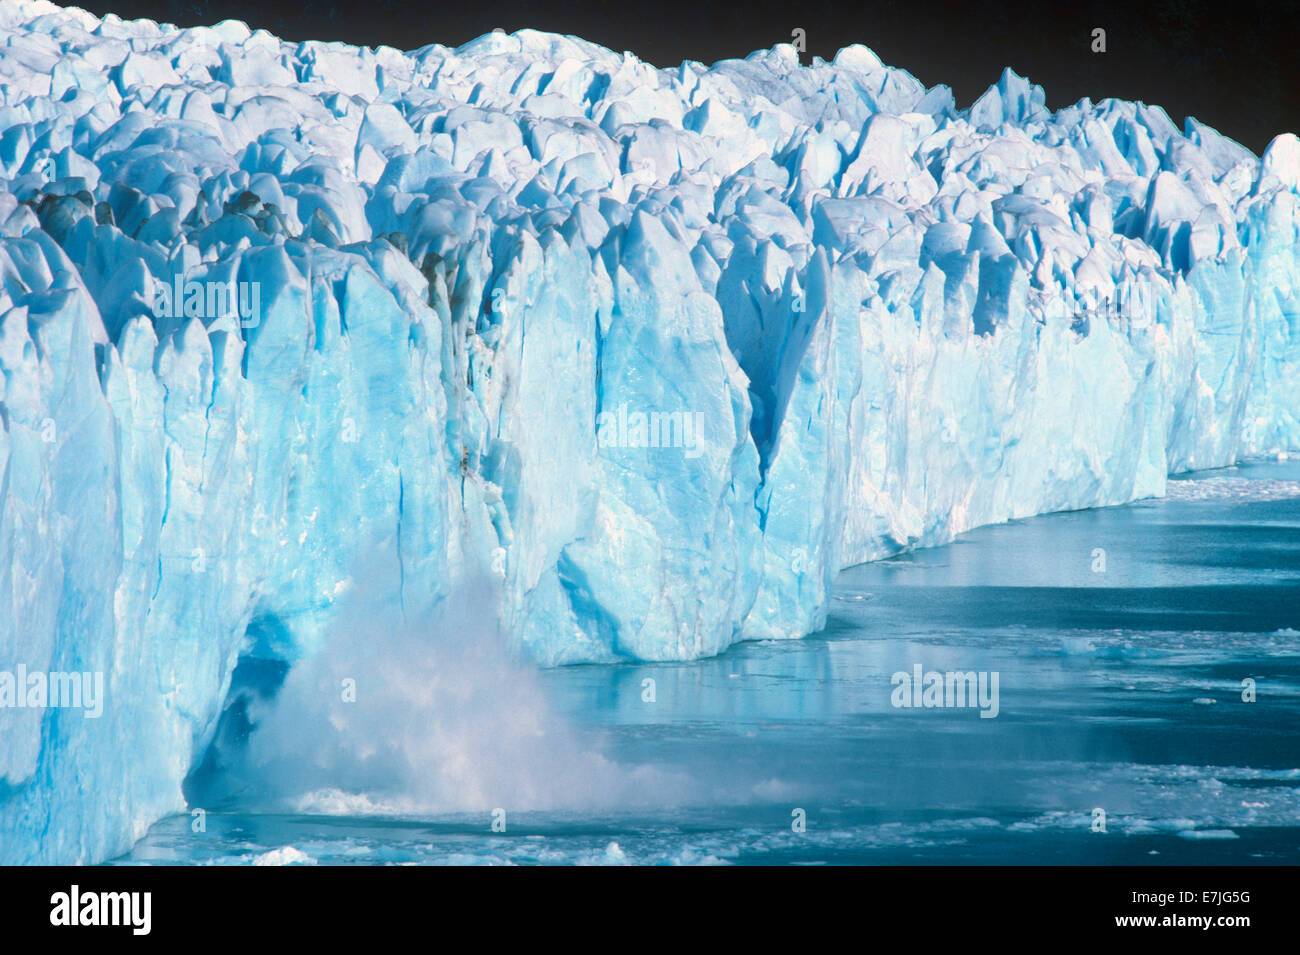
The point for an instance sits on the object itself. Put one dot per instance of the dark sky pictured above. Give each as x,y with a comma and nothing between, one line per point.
1231,64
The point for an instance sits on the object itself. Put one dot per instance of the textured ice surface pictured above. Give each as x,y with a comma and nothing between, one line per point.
660,351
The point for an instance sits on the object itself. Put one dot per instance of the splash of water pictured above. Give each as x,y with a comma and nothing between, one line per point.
426,711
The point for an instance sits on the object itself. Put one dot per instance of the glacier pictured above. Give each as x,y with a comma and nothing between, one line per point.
656,352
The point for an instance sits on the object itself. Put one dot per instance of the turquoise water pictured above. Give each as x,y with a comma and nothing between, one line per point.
1120,706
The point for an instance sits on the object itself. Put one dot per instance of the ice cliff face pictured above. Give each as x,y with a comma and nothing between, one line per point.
659,351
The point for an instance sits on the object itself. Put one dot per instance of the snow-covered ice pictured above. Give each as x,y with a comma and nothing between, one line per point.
659,351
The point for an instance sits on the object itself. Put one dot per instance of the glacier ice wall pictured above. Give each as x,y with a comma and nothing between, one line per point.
658,350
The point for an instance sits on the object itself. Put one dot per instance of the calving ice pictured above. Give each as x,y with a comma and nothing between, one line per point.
74,907
208,299
951,689
37,689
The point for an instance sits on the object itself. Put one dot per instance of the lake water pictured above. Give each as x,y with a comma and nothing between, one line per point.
1127,644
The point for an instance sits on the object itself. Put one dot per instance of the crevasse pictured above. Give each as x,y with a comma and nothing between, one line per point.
482,272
